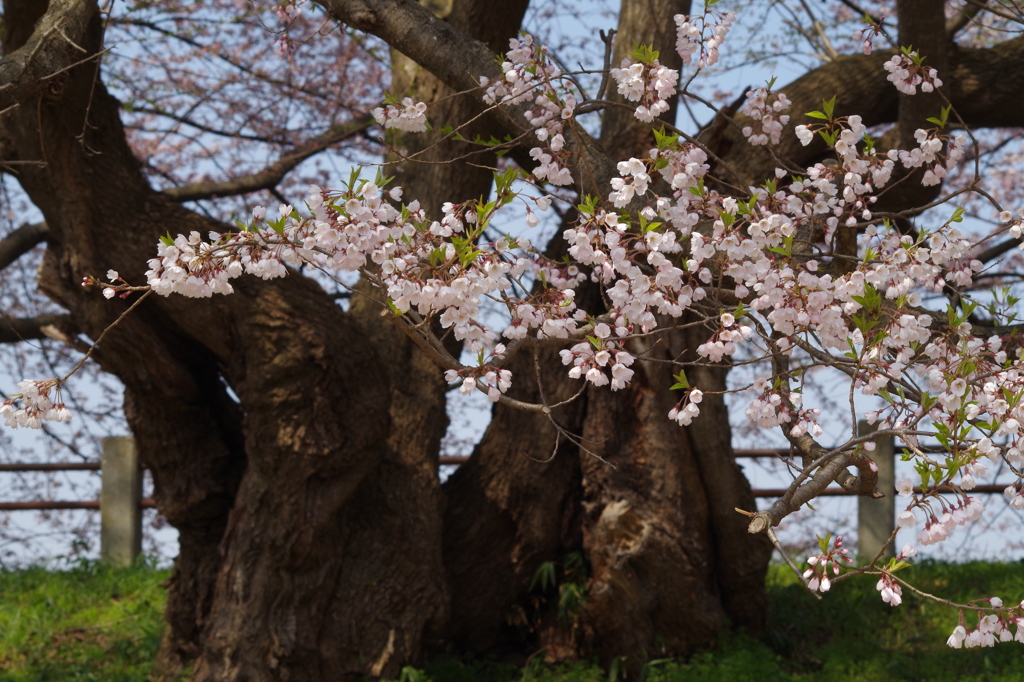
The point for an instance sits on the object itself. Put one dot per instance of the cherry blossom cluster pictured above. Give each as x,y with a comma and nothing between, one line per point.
765,108
530,71
866,171
832,559
702,35
440,268
746,244
723,342
633,180
938,153
38,401
674,255
686,409
907,71
550,315
598,358
888,587
972,385
195,268
991,628
1014,495
938,528
288,12
867,35
890,590
646,82
774,407
682,165
655,263
409,115
494,381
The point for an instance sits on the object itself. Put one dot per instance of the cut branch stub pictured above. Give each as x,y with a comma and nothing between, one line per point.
759,523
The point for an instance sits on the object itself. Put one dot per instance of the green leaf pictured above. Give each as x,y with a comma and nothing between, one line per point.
664,139
816,114
589,205
829,106
353,178
411,674
698,191
544,576
468,256
644,53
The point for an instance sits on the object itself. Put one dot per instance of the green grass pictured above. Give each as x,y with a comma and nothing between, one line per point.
89,623
849,636
96,623
853,635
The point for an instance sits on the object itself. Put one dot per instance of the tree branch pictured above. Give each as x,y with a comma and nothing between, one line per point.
60,327
52,47
200,126
963,17
863,12
998,250
831,466
977,82
271,176
459,62
21,241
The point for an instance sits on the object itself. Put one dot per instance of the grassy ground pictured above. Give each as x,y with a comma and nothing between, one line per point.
849,636
90,623
94,623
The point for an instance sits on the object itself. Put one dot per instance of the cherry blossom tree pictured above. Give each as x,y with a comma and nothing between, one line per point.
294,441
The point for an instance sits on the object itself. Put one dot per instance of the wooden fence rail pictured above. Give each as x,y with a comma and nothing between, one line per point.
121,502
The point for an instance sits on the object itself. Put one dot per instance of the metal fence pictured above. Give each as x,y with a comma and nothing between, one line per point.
121,502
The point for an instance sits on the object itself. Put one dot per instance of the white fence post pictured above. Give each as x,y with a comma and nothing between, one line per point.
876,519
121,516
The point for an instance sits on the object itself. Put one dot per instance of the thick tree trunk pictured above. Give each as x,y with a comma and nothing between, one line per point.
325,570
647,532
648,504
511,508
194,493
